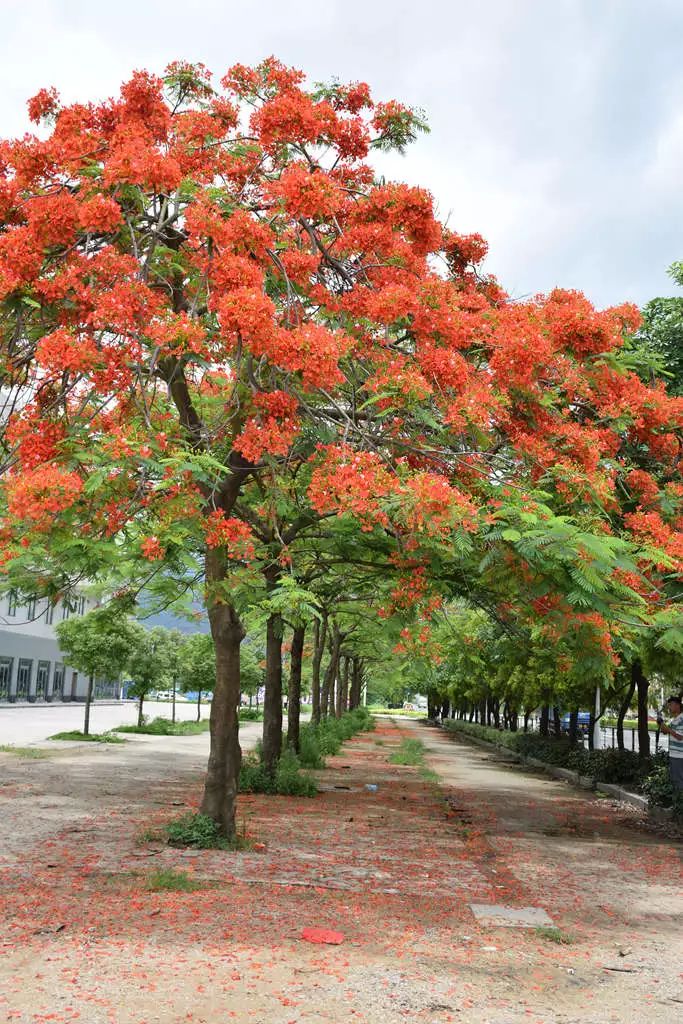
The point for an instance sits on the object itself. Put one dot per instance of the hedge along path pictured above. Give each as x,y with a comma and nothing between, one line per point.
393,870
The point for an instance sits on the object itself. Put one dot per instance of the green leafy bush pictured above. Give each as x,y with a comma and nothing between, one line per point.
288,780
165,727
316,742
251,715
613,766
197,830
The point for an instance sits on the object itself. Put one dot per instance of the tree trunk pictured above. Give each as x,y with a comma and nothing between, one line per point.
527,716
557,723
356,682
545,720
319,640
343,686
331,673
88,702
225,755
573,727
272,703
294,707
175,687
199,706
140,703
623,711
643,685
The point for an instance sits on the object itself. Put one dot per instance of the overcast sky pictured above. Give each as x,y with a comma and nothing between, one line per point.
557,125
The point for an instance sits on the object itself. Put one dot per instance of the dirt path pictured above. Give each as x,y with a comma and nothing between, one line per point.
394,870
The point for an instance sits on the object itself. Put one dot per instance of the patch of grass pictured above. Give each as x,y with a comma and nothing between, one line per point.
428,774
92,737
166,879
202,833
553,934
379,743
165,727
288,780
32,752
325,739
410,752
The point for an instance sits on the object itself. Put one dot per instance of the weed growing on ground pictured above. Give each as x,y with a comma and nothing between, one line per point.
33,752
553,934
92,737
288,780
428,775
165,727
410,752
201,832
172,881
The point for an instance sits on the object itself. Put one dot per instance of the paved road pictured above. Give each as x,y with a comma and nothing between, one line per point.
25,725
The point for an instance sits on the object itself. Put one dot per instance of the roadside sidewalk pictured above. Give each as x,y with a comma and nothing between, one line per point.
394,870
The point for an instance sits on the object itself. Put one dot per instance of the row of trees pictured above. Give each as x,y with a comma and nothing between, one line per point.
237,363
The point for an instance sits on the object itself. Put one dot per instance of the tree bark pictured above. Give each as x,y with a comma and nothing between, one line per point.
319,640
88,702
623,711
199,706
331,673
272,703
225,755
140,703
545,720
642,684
557,723
355,691
573,727
294,706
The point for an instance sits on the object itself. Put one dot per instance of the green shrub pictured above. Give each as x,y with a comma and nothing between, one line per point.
32,752
251,715
288,780
316,742
197,830
661,791
92,737
613,766
165,727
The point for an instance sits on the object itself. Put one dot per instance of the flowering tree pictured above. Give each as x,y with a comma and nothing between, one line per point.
202,290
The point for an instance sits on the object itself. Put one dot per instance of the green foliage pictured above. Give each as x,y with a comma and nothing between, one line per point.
91,737
32,752
153,659
98,643
251,715
612,766
661,791
197,663
410,752
325,739
165,727
198,831
166,879
288,780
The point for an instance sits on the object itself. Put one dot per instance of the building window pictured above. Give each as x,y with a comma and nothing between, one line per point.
12,603
5,677
67,608
42,679
49,612
31,609
58,680
24,671
81,606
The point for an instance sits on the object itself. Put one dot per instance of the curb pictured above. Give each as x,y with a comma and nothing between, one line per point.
585,782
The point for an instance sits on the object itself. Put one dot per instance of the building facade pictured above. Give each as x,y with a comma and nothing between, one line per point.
32,667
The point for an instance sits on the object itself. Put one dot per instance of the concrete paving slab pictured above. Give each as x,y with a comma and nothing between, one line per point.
499,916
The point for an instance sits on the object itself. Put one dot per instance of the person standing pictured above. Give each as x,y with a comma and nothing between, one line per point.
674,730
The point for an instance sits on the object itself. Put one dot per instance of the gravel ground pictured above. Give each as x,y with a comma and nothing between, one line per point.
393,870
